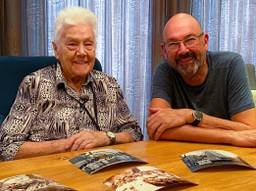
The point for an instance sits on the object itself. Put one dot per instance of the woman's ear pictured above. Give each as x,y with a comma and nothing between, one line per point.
55,48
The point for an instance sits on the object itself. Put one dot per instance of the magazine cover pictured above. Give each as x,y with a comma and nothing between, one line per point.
201,159
30,182
96,160
144,178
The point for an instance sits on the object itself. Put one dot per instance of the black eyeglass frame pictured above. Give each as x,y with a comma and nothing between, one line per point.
189,42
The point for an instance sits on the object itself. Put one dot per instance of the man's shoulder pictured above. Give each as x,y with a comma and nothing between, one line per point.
224,59
223,56
163,65
163,68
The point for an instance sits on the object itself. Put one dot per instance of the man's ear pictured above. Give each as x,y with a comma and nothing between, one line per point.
206,38
163,51
55,48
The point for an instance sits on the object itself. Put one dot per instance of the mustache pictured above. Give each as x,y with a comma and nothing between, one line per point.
187,55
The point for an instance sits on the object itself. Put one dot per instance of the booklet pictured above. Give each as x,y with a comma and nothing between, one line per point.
201,159
30,182
96,160
145,178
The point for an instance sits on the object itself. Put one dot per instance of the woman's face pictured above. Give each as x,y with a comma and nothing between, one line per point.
75,51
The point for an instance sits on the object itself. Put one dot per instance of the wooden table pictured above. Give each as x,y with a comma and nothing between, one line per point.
163,154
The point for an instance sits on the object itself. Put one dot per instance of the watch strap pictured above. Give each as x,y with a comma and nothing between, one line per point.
198,116
112,137
195,122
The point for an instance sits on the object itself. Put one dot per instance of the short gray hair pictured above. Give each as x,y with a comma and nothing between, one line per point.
73,16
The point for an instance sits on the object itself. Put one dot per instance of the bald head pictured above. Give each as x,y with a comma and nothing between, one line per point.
181,24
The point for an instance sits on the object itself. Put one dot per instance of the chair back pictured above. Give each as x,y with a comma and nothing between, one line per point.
251,75
13,69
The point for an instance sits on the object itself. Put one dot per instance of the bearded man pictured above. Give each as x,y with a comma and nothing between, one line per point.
198,95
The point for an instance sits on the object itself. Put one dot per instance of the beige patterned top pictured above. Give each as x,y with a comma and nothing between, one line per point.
46,109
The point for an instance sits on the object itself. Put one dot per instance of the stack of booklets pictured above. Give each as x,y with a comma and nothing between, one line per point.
140,178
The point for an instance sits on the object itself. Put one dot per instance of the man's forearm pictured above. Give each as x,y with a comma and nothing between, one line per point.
32,149
245,138
197,134
212,122
218,123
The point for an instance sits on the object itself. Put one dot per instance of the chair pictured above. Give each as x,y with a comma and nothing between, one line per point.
252,79
251,75
13,69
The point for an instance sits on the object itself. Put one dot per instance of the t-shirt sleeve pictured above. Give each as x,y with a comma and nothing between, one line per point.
162,83
239,96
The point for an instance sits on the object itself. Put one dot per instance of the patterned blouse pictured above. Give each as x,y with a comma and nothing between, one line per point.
46,109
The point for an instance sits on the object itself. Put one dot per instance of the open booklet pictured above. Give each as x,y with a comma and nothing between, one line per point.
201,159
145,178
96,160
30,182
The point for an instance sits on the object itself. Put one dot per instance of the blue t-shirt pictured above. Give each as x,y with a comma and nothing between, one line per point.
224,93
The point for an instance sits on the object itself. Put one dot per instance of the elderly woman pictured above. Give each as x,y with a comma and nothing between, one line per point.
68,106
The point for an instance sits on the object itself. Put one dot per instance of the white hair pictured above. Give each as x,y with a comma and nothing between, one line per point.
73,16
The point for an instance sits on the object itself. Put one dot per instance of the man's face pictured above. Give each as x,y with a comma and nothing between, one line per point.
76,51
185,48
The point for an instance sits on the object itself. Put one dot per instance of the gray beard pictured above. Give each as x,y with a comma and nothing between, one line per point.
190,70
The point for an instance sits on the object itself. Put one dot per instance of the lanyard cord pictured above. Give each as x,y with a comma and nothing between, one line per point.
95,122
61,86
95,106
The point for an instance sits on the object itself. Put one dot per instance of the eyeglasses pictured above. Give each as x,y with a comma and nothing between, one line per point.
189,42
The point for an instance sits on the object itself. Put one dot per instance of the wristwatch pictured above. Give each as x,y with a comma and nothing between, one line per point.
112,137
198,117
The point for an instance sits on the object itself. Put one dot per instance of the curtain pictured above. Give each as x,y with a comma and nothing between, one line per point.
34,27
2,28
230,25
124,34
162,11
10,27
23,27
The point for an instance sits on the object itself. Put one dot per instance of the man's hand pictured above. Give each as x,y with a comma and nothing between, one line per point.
161,119
88,139
246,138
